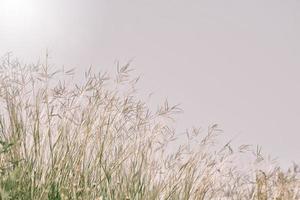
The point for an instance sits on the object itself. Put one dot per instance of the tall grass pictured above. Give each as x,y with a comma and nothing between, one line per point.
97,140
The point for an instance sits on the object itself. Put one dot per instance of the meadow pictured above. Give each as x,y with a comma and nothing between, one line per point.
95,139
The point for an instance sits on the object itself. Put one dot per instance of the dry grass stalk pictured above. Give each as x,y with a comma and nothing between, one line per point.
97,140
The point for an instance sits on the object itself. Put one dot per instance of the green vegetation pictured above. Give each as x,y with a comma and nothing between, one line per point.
96,140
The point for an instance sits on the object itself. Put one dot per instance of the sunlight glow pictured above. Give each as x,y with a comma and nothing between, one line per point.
18,13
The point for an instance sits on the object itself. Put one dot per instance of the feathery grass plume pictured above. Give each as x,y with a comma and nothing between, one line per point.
60,139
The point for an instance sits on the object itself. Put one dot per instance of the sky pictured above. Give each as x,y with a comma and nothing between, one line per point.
235,62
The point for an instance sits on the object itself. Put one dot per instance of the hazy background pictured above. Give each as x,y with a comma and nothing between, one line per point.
233,62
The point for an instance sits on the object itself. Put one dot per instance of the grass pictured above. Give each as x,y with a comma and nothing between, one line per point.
96,140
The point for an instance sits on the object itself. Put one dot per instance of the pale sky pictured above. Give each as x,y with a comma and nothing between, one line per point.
233,62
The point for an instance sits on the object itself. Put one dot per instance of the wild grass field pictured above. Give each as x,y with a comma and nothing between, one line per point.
94,139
